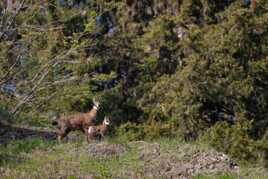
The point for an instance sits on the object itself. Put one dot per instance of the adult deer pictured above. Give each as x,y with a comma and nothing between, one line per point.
78,121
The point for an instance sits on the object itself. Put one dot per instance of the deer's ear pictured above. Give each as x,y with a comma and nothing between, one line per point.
95,102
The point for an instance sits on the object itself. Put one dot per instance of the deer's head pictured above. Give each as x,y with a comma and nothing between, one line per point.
106,121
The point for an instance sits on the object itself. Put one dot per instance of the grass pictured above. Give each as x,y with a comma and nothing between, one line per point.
16,150
37,158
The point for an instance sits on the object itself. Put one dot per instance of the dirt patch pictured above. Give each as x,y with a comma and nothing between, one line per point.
159,163
105,150
149,152
212,162
205,163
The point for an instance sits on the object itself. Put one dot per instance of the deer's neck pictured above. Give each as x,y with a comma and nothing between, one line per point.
93,111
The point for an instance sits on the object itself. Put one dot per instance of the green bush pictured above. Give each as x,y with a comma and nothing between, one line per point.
235,141
130,131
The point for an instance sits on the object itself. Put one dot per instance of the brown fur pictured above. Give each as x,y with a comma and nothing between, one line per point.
94,131
253,4
78,121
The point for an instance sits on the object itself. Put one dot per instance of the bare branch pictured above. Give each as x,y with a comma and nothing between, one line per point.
11,68
30,95
59,82
43,72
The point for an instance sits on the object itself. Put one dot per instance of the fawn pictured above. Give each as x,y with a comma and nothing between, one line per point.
94,131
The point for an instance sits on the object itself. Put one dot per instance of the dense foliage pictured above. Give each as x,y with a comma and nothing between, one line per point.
159,67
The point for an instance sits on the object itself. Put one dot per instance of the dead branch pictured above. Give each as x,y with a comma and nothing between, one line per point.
11,68
43,72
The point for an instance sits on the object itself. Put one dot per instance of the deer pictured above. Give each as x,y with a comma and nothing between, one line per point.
94,131
78,121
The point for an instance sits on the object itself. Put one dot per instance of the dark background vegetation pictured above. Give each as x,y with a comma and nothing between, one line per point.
197,69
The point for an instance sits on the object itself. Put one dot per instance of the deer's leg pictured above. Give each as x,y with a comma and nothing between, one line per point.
102,136
86,134
59,139
88,138
62,132
61,135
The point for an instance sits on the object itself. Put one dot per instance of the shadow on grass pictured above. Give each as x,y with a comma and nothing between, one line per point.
9,133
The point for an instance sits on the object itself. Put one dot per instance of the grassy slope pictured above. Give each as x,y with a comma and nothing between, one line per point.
35,158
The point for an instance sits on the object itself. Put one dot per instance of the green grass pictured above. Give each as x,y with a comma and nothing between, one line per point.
37,158
15,151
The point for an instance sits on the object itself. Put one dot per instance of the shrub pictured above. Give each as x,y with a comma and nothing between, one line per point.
235,141
130,131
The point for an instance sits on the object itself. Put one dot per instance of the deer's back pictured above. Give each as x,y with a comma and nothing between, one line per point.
78,120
